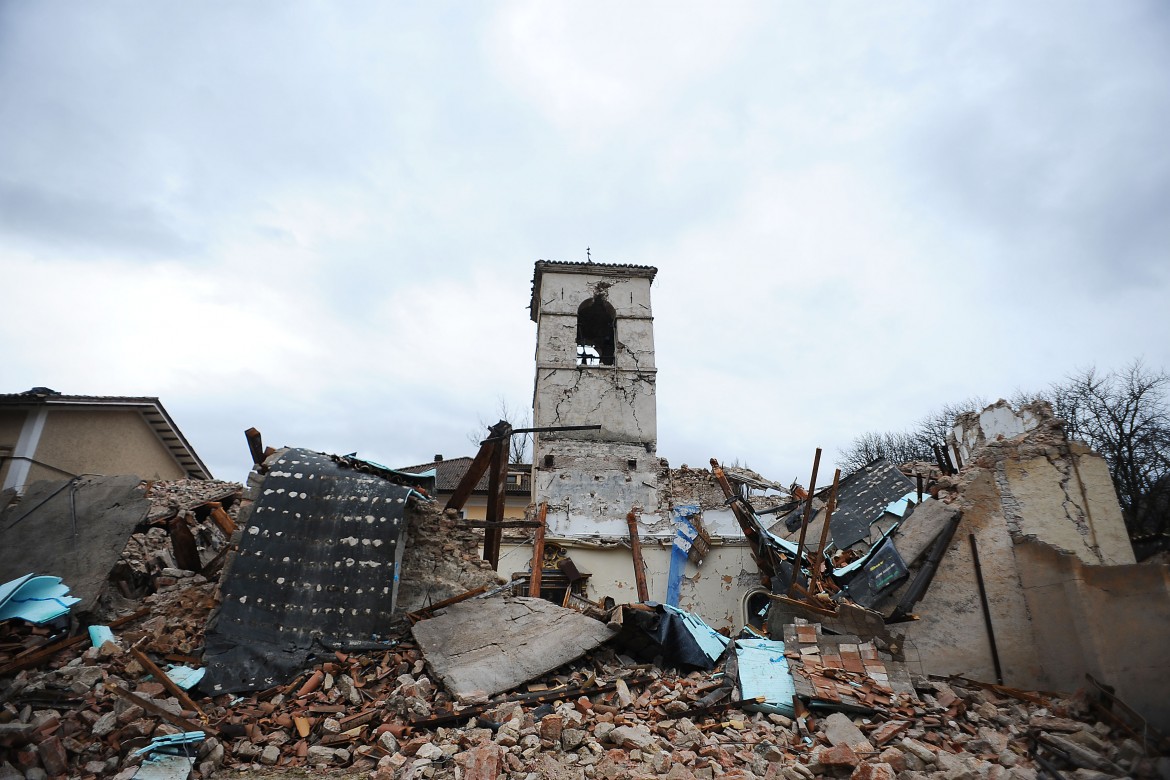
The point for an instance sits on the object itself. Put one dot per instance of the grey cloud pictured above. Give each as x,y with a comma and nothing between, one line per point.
65,219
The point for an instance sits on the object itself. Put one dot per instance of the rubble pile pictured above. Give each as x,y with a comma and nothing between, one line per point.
379,714
148,562
170,496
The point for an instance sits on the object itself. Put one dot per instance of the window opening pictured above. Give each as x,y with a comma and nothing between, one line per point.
596,333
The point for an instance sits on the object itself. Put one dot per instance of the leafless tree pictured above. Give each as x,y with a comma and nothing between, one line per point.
520,445
918,443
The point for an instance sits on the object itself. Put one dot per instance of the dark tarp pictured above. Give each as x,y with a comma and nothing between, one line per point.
318,562
680,638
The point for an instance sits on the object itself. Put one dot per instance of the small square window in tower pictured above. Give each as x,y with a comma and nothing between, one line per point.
596,333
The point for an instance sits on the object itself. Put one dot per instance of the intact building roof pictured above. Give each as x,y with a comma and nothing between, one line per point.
595,269
449,472
150,408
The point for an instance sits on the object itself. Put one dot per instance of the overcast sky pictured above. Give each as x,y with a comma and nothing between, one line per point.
320,219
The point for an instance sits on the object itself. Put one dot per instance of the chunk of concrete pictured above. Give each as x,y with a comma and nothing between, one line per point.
72,529
840,730
493,645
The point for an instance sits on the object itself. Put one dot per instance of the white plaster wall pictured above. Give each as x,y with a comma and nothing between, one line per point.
999,420
714,591
563,293
622,402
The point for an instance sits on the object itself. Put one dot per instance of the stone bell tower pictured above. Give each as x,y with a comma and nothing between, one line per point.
594,366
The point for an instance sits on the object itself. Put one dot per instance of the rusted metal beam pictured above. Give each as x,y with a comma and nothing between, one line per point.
426,612
636,552
538,553
817,560
747,523
812,489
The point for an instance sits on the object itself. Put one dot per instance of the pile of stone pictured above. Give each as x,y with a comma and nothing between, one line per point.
170,496
378,714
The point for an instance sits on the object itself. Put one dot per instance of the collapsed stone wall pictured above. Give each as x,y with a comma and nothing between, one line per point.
442,558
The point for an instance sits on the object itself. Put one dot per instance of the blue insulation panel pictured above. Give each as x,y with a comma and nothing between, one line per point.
763,671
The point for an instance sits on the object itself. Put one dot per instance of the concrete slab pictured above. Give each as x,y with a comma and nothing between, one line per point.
489,646
73,529
918,531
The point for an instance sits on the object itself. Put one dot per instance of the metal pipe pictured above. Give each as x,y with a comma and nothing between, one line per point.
986,609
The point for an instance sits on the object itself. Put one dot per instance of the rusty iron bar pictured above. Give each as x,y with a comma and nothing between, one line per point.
812,489
815,561
556,428
986,609
919,488
746,524
636,551
426,612
538,553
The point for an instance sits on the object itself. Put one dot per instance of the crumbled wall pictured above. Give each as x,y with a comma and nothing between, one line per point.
999,421
950,636
442,558
1063,590
1112,622
686,485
